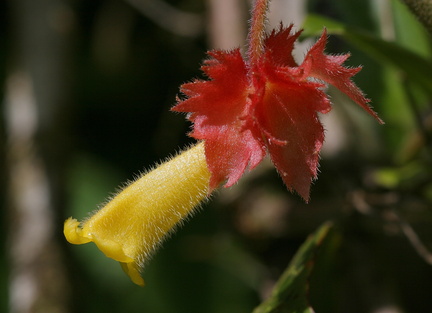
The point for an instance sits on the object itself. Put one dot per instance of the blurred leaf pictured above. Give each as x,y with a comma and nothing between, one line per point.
290,294
414,66
408,177
422,9
394,106
410,33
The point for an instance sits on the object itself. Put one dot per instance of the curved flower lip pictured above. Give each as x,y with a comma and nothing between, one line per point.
135,222
76,234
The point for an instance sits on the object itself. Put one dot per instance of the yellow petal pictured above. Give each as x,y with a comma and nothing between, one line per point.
73,233
134,223
132,271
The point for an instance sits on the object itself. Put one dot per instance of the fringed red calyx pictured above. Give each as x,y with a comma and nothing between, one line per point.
266,103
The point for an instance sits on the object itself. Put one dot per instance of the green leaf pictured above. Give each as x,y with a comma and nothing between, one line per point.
423,10
290,295
413,66
409,32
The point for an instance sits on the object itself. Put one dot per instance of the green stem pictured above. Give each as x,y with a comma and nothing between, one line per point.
423,10
257,30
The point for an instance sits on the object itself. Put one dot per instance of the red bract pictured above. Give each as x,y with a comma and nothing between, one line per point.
270,105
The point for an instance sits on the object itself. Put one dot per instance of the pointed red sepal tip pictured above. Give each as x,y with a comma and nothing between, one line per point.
247,109
329,68
279,42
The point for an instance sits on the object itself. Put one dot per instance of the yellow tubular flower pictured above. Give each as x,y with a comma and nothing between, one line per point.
135,222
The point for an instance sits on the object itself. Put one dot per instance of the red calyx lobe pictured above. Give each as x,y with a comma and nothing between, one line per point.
245,110
220,116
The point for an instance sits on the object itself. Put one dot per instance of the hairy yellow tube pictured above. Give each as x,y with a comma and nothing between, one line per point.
135,222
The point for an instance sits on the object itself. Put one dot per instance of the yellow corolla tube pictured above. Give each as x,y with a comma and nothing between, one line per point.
135,222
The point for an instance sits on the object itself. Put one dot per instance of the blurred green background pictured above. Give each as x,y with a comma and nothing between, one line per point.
87,87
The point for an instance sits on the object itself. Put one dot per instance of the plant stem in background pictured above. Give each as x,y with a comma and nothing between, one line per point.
36,115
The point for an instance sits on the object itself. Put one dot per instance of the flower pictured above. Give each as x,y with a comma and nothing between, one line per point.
248,108
266,104
136,221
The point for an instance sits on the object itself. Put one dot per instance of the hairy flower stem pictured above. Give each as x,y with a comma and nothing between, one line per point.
257,30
